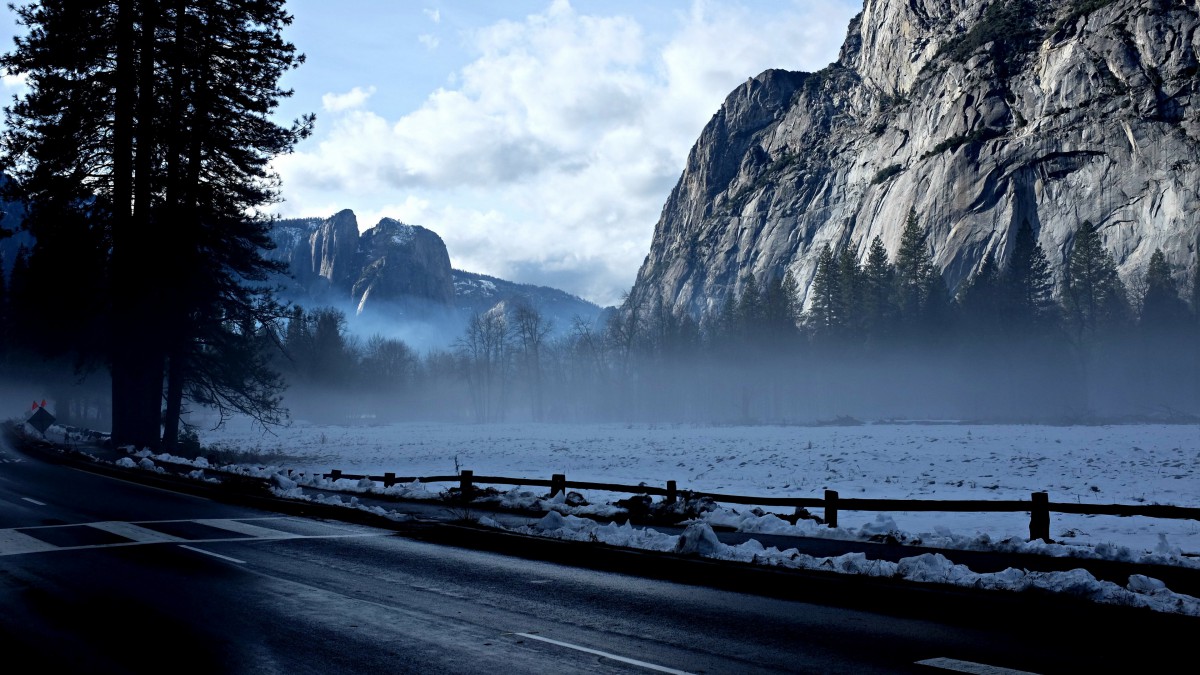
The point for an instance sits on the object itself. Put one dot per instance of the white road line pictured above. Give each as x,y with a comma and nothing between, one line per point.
215,555
246,528
969,667
614,657
14,543
142,535
34,501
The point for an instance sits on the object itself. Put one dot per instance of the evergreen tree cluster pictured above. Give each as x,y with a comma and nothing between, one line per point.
140,154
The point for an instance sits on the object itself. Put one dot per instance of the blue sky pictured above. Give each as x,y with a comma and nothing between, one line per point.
540,139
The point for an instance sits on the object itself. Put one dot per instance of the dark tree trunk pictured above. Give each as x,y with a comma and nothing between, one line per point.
175,377
124,366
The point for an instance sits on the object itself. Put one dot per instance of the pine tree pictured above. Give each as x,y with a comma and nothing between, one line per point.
1094,297
878,283
148,118
980,299
1027,287
914,265
850,293
822,319
221,89
1162,307
922,299
749,308
780,310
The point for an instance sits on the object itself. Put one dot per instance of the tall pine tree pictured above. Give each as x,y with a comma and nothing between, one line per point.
1027,287
146,118
922,300
1163,310
1094,298
823,319
879,310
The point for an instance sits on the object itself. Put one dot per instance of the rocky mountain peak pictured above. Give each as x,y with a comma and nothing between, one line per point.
398,270
976,115
398,262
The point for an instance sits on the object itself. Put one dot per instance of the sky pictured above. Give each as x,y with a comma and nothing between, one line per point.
1124,464
541,138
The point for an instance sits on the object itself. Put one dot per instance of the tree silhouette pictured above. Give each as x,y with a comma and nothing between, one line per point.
1162,307
1027,288
150,123
1094,297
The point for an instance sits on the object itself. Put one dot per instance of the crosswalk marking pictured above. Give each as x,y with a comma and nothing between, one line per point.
140,535
246,528
15,541
215,555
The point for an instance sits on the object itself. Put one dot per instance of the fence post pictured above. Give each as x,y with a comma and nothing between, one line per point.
671,492
558,483
831,508
466,483
389,479
1039,517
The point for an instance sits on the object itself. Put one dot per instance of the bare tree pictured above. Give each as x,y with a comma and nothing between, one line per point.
485,348
530,330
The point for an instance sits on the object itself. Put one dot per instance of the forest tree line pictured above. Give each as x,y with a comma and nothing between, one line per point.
881,338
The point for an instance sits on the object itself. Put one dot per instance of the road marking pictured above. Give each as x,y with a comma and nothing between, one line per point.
597,652
141,535
215,555
969,667
34,501
246,528
13,543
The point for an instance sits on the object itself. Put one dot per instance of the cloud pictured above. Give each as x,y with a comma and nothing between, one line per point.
355,98
11,81
550,155
434,15
430,42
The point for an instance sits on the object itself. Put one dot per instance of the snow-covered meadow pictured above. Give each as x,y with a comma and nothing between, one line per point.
1122,464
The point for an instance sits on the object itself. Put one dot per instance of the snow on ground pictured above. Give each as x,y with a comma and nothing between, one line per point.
1123,464
1148,464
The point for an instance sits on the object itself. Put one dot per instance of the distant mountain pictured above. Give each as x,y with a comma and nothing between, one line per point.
480,293
399,272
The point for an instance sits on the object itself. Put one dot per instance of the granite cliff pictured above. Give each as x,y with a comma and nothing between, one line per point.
330,261
978,115
398,270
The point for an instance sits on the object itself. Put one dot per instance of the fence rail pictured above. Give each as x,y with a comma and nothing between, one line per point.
1038,506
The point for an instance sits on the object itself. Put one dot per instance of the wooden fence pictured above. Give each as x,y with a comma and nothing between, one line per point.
1038,506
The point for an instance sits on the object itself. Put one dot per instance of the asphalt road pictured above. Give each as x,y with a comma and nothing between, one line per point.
100,575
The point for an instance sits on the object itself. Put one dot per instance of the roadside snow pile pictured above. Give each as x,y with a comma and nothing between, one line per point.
574,528
884,528
700,539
